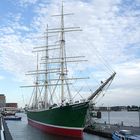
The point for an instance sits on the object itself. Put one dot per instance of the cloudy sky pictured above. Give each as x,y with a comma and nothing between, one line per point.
110,40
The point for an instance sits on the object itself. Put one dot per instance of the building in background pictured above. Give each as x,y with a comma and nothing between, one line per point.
11,105
4,104
2,100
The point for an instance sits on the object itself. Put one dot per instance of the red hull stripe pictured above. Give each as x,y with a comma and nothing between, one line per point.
57,130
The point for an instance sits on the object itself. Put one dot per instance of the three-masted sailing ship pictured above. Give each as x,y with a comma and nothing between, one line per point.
66,117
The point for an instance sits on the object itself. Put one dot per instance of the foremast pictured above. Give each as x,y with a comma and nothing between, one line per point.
63,58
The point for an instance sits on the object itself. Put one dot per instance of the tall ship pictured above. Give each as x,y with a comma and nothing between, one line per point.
52,107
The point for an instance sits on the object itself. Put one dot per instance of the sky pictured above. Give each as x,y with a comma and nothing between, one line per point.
110,39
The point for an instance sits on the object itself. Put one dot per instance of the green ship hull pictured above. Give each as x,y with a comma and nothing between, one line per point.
66,120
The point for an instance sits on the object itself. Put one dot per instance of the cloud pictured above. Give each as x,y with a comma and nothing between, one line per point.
1,77
128,74
26,3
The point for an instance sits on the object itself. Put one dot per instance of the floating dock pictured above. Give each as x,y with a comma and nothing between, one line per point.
106,130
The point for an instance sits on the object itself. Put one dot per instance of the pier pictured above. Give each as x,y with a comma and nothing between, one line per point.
4,130
106,130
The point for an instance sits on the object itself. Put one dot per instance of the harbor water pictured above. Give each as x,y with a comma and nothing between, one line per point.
131,118
20,130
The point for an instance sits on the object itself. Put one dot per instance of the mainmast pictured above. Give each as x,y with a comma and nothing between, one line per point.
63,58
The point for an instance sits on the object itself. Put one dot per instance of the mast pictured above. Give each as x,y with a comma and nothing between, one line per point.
63,71
63,61
62,58
62,45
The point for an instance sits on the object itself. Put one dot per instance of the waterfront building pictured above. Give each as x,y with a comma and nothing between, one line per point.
15,105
